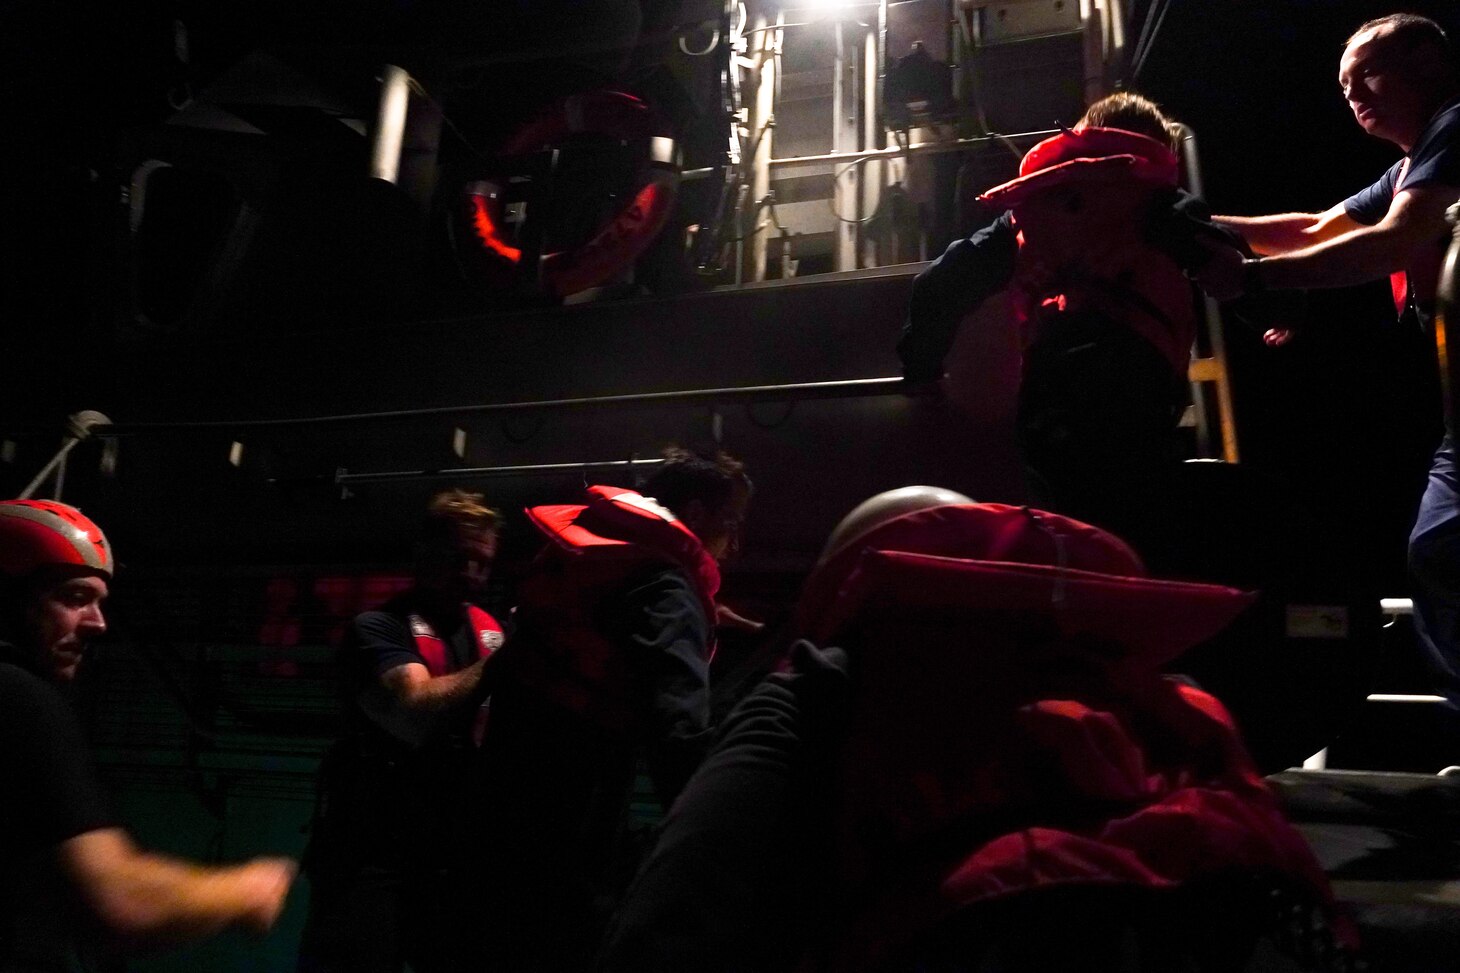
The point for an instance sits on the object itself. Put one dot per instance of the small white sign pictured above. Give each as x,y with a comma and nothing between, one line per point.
1317,622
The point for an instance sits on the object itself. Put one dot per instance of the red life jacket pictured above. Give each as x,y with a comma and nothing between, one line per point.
992,754
1079,205
596,548
1399,280
433,650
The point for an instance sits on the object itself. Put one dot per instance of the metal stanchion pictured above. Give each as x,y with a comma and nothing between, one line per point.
78,427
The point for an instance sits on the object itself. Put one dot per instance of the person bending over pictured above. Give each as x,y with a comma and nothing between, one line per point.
611,650
1083,270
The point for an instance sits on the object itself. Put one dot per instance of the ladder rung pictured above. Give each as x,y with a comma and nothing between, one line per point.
1396,606
1204,370
1405,698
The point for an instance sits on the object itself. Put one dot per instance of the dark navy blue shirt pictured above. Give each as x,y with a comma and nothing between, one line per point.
1434,159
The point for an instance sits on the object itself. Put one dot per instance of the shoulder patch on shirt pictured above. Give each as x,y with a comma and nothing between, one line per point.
491,639
421,629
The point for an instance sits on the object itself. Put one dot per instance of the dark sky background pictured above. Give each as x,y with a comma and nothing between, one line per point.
1346,415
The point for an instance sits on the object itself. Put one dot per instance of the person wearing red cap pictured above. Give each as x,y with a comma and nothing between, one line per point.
1084,270
988,771
75,886
609,669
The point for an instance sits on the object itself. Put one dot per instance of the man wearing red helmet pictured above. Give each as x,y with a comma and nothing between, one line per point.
65,854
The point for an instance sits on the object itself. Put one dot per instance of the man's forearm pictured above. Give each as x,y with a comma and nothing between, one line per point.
1279,233
443,694
1364,255
145,900
169,901
410,702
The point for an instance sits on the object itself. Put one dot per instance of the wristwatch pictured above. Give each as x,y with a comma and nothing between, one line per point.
1252,282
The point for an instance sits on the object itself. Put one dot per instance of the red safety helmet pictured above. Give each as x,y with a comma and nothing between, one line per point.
42,533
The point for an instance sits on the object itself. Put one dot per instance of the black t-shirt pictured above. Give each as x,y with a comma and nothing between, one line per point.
52,794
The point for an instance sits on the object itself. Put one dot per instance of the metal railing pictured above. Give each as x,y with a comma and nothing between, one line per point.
1448,310
1212,369
793,391
83,425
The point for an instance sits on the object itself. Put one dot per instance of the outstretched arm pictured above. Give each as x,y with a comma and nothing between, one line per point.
953,286
146,900
137,899
1415,219
1286,232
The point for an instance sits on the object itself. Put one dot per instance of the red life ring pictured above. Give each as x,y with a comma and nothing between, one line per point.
625,236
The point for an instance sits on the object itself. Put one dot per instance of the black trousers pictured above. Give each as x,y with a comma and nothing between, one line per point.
735,880
374,919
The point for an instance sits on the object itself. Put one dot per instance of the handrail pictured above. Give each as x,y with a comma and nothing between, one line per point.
1447,310
895,151
346,478
841,389
1217,370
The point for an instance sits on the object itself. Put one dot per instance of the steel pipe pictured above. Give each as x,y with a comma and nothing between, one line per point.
920,148
796,391
346,478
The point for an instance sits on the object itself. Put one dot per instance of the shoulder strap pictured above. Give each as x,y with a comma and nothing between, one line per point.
428,644
486,629
486,634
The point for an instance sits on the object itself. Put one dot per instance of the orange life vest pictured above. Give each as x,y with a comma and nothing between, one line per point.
1079,205
485,628
595,549
1011,731
488,639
